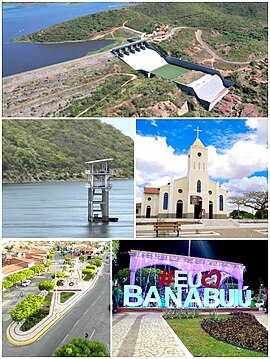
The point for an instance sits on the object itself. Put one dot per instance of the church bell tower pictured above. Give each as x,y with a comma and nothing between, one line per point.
197,177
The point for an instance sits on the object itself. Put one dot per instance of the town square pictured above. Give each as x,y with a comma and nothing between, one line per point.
190,298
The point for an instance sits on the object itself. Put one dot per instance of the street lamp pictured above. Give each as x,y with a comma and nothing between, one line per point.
189,247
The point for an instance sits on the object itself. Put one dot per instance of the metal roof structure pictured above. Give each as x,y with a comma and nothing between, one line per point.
97,161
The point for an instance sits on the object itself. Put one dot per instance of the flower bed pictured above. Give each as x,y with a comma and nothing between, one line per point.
240,329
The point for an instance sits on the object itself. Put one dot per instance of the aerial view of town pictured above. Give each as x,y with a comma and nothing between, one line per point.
192,59
56,298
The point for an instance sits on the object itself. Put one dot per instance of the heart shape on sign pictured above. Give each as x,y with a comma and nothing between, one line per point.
209,276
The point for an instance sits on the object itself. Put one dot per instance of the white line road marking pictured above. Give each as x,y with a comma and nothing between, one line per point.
64,338
92,334
76,323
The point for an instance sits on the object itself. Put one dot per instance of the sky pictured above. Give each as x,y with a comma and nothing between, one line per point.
125,125
238,251
237,152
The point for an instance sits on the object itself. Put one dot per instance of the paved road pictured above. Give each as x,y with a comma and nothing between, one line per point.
198,34
91,315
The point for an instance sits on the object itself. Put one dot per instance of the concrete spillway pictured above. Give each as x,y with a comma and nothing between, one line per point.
146,60
141,56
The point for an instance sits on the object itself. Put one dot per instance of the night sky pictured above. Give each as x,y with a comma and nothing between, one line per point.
252,253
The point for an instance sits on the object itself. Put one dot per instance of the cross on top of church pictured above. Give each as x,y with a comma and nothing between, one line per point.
197,130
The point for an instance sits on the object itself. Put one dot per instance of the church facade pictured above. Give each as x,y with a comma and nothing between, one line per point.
192,196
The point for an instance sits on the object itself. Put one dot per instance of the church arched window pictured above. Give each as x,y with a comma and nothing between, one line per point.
221,202
199,186
165,200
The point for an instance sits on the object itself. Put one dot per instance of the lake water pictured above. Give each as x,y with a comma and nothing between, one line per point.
59,210
20,20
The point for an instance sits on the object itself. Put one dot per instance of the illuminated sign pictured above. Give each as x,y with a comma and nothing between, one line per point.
180,291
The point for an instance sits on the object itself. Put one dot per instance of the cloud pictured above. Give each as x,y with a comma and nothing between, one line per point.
155,158
260,127
241,160
139,194
235,165
236,187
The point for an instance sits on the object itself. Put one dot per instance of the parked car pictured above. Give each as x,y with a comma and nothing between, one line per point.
26,282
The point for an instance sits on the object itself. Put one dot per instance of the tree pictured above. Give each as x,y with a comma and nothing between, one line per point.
48,264
244,214
115,248
9,248
261,214
91,266
7,284
38,268
143,276
59,275
68,259
98,261
20,276
257,200
83,258
51,255
238,200
88,272
29,306
82,348
46,285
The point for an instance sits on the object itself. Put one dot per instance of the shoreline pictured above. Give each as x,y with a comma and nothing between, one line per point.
61,181
60,42
87,56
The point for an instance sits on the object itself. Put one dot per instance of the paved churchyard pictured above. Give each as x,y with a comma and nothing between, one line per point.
206,229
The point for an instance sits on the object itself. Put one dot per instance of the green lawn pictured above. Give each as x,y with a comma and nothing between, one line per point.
64,296
200,344
170,71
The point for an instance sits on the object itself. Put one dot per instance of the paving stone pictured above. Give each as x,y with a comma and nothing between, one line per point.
140,335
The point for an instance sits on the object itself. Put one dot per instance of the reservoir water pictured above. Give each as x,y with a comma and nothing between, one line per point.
21,19
59,210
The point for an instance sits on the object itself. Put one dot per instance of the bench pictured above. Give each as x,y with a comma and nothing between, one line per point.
174,227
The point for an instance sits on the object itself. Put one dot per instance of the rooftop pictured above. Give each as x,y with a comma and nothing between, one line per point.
151,190
99,161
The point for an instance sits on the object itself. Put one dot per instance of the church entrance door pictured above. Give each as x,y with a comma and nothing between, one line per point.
179,209
148,211
210,210
198,209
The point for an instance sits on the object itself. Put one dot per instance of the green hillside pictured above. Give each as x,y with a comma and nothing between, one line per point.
222,17
35,150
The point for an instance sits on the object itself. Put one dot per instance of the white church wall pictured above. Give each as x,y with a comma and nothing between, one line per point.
185,187
152,201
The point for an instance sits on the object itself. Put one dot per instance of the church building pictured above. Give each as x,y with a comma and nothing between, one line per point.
192,196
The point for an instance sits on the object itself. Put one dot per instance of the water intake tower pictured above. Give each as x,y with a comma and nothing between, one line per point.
99,185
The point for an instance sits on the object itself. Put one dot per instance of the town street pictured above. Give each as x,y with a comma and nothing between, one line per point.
90,315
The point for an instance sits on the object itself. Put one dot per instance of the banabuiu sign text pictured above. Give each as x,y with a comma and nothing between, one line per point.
177,290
